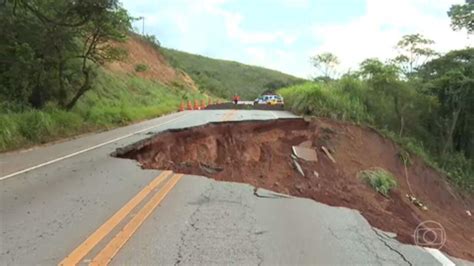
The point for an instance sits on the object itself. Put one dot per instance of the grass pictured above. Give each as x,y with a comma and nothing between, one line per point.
379,179
225,78
116,100
325,100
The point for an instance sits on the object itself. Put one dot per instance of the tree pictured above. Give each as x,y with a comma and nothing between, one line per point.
462,16
451,79
50,49
326,63
384,81
414,51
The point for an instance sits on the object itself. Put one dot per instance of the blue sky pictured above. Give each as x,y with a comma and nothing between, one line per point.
283,34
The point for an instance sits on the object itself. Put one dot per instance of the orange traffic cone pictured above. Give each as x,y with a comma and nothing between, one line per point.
196,104
189,105
181,106
203,104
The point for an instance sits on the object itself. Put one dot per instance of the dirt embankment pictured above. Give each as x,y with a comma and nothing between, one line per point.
140,52
258,153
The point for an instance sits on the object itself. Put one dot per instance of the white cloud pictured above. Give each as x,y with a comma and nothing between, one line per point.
376,33
212,28
233,21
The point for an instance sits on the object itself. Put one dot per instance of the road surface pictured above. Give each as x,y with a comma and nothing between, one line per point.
60,203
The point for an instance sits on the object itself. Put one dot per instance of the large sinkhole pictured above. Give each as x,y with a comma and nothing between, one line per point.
261,153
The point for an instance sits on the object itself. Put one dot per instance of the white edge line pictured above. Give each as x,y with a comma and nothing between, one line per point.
86,150
440,257
274,115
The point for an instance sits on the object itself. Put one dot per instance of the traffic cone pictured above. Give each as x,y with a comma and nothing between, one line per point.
196,104
203,104
189,105
181,106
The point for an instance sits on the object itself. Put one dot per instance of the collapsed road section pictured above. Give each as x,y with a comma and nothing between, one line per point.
322,160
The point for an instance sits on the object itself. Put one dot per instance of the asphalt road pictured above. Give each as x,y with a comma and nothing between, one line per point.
54,197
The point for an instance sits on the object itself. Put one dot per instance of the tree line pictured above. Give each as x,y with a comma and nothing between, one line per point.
435,92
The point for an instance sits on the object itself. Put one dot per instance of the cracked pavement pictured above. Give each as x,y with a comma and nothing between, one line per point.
225,223
47,212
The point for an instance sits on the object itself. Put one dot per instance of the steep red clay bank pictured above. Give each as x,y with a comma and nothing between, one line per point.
258,153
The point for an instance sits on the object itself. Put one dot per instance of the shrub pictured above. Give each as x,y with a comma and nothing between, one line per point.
379,179
141,68
8,132
34,125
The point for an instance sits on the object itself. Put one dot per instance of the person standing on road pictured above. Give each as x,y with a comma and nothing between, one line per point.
236,99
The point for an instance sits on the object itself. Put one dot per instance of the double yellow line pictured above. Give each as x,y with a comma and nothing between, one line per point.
112,248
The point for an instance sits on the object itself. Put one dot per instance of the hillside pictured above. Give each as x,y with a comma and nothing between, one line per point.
149,81
224,78
122,93
144,60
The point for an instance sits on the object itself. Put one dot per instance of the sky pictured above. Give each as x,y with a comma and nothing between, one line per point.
284,34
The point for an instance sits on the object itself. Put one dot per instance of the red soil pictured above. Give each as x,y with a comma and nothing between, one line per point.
141,52
258,153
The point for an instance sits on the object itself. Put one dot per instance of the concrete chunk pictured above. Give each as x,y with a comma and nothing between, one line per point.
307,154
325,150
298,167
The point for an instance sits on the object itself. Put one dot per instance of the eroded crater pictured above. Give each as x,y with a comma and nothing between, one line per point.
260,153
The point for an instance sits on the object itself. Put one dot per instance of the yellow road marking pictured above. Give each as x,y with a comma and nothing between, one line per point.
228,116
106,255
77,254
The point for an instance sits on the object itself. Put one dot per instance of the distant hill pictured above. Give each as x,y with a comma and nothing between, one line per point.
224,78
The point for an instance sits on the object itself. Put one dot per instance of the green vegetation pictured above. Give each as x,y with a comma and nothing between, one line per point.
420,99
462,16
116,100
326,63
430,114
327,100
52,83
141,68
51,50
225,78
379,179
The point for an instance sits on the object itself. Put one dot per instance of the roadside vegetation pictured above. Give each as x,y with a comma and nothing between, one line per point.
379,179
115,100
53,83
421,99
225,78
52,80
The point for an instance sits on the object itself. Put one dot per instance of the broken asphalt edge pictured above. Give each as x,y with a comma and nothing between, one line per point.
119,152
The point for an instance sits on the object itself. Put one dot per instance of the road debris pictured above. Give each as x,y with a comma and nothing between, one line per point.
306,154
417,202
210,169
263,193
316,174
328,154
305,144
469,213
298,167
299,187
